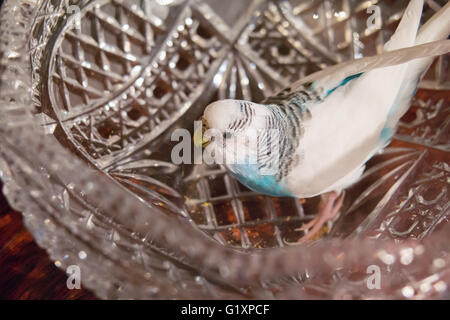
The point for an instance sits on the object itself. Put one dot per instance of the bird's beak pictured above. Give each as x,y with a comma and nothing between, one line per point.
199,137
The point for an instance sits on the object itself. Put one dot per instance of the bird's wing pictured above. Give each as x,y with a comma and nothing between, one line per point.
347,128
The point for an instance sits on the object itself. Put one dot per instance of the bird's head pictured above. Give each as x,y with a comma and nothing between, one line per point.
229,116
233,124
235,117
224,122
232,129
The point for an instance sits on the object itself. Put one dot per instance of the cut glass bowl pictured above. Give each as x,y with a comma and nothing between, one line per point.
91,91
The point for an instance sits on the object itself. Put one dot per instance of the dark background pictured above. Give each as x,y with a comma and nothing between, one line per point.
26,272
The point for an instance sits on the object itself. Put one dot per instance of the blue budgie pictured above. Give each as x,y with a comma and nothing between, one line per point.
315,137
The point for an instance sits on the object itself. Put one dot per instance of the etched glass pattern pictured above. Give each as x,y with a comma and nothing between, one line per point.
91,91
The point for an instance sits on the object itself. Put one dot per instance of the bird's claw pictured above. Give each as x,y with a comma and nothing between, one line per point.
328,213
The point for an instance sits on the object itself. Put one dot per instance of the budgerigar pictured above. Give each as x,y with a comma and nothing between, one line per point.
328,128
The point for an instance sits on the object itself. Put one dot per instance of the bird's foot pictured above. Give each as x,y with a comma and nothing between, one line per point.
330,205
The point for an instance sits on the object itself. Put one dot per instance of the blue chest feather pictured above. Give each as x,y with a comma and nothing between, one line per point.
250,176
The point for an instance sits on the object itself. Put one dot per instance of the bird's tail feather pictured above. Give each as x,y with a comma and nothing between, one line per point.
436,28
336,73
383,85
404,36
406,32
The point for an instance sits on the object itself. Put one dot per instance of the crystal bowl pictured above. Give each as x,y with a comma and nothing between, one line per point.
91,91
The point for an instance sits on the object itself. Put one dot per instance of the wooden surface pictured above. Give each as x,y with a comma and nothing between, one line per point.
26,271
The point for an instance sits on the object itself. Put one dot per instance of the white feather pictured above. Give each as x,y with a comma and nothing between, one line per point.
345,129
435,29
